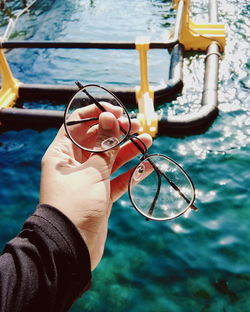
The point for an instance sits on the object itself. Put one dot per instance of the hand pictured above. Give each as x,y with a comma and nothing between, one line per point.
79,185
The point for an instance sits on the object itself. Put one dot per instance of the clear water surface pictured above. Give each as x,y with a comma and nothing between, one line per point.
200,262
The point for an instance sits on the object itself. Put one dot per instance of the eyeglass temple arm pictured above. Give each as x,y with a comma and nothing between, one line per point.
80,86
175,187
152,207
75,122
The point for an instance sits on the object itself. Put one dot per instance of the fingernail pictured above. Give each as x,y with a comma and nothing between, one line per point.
106,121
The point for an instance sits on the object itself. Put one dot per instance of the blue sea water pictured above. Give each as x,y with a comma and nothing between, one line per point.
199,262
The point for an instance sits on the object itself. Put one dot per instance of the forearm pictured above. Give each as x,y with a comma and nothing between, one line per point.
46,267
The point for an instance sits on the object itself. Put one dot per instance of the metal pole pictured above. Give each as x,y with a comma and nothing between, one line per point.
213,16
178,23
209,95
210,88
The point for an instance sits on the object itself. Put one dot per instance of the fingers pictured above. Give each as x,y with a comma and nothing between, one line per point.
93,111
80,120
107,137
108,132
124,123
77,114
128,151
119,185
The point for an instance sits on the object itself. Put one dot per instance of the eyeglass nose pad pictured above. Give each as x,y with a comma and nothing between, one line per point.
139,172
109,143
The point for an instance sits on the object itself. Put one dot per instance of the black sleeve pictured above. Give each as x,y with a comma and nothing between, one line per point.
46,267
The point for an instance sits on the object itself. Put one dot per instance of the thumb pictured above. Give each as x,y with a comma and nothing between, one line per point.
108,132
107,137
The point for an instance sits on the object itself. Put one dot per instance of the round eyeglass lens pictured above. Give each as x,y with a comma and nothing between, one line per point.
83,114
160,189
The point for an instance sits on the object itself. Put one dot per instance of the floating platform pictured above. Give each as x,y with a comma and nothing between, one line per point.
187,35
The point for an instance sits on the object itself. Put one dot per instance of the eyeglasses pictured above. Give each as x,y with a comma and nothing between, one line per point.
159,188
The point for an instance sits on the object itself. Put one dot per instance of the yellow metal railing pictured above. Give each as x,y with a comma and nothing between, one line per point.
144,95
199,36
9,84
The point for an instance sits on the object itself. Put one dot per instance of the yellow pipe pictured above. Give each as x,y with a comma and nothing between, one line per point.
10,85
144,95
199,36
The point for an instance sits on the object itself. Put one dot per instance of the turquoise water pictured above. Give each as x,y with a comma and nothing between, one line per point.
199,262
